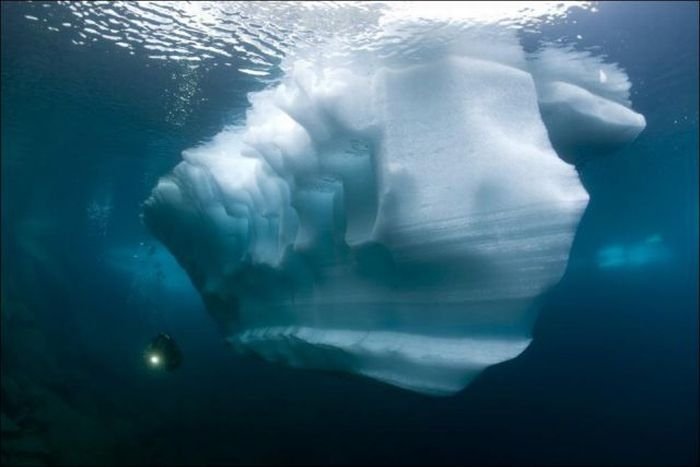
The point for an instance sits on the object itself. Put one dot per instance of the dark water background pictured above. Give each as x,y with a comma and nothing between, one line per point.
611,377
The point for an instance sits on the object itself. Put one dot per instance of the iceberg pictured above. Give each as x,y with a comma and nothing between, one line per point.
397,221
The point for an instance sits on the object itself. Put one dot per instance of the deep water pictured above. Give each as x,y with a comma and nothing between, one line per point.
611,376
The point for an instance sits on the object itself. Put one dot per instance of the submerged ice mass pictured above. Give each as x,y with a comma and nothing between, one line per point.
397,220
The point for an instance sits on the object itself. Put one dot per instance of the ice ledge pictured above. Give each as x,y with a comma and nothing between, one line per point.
438,366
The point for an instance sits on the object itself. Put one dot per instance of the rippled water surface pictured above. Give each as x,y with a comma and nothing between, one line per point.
255,36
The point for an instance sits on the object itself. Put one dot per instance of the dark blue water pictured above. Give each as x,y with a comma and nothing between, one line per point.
611,377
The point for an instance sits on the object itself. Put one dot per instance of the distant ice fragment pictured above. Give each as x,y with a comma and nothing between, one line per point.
651,250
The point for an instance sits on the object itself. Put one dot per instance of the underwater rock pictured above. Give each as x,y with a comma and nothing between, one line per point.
27,449
30,444
73,435
7,425
12,395
397,221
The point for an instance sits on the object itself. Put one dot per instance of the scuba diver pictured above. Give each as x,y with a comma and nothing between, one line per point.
163,353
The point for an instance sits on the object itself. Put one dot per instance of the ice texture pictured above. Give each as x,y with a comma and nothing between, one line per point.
397,221
584,103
